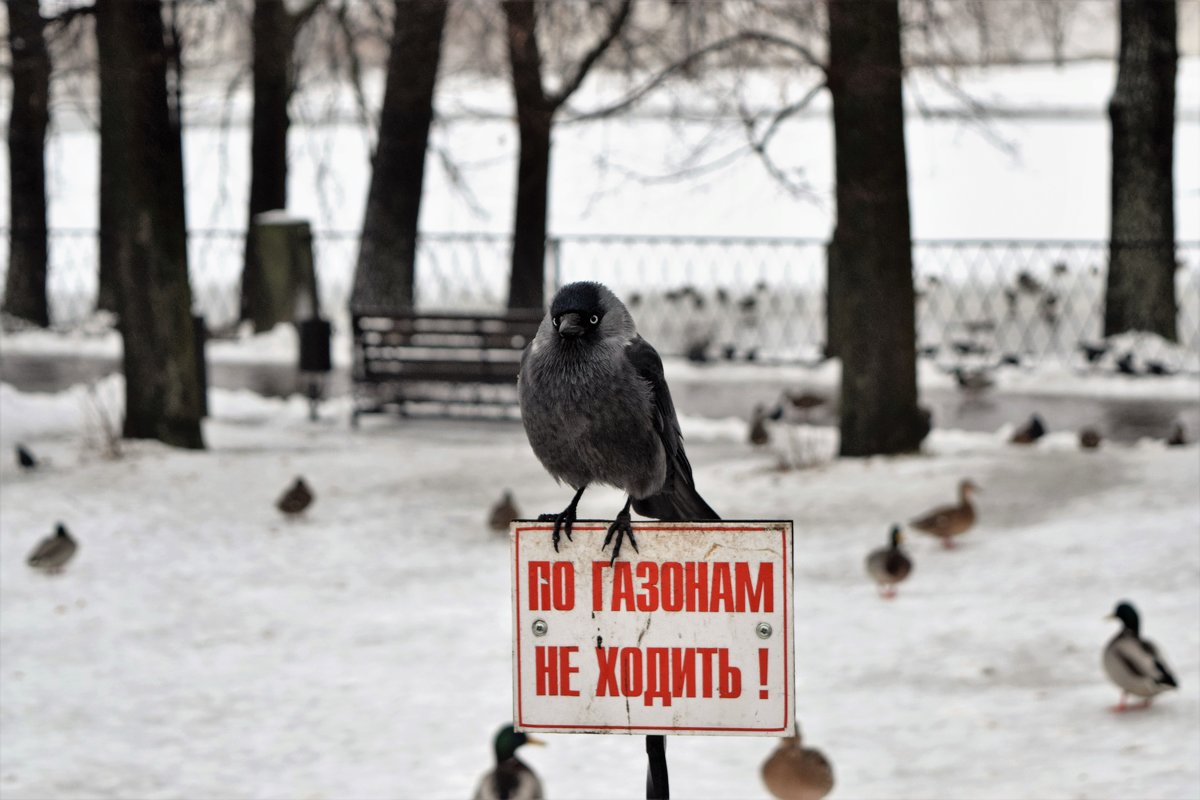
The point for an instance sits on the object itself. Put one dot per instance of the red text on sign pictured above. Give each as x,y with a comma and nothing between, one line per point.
716,587
661,673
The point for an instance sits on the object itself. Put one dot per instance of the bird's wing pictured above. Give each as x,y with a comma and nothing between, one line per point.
678,499
646,362
933,519
1164,675
1134,656
44,549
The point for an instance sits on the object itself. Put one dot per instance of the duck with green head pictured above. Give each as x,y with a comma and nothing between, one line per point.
889,565
511,778
1134,664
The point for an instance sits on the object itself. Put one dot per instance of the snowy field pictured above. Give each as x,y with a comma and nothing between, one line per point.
200,646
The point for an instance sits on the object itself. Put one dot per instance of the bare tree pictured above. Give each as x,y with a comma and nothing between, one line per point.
1141,274
273,34
871,313
385,273
141,149
25,284
536,109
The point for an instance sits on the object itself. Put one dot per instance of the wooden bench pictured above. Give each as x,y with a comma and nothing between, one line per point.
447,362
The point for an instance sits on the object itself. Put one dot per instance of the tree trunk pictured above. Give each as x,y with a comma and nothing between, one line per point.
385,274
872,243
1141,273
25,284
274,82
527,279
140,137
535,115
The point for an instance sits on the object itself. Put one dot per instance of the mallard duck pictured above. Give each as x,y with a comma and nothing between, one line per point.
759,435
1089,438
946,522
1133,663
53,552
25,459
297,498
795,772
889,565
1030,432
511,778
503,513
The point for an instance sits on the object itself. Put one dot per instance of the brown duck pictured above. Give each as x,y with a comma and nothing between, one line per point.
795,772
53,552
946,522
296,499
503,513
889,565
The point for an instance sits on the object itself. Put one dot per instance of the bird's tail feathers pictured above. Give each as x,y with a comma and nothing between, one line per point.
682,503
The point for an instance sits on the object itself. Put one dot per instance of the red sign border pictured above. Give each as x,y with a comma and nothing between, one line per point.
582,525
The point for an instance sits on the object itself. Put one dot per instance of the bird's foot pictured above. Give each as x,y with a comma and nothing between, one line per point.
948,543
621,527
562,524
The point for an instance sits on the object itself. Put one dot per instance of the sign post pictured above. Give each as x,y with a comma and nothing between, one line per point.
690,636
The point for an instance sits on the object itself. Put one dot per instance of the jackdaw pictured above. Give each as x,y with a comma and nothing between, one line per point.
597,409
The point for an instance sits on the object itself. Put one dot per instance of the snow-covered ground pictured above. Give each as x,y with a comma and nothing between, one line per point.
200,646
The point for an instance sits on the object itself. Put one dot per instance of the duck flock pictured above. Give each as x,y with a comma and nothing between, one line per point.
796,772
792,771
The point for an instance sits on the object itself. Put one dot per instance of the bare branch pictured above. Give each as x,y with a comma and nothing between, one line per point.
68,15
589,60
302,15
691,59
458,180
356,78
787,111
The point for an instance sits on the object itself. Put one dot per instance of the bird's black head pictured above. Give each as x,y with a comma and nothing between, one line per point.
507,742
578,309
60,531
896,536
1128,616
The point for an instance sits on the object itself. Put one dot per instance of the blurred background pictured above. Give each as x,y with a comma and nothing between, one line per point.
269,268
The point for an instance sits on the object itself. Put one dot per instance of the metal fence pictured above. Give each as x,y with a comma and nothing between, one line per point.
716,297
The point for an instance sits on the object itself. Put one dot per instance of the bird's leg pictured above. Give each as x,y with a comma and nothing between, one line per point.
1120,706
564,520
947,543
621,527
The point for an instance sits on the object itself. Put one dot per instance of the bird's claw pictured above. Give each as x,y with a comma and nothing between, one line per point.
621,528
562,524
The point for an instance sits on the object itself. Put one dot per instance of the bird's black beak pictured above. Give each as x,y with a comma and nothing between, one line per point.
569,326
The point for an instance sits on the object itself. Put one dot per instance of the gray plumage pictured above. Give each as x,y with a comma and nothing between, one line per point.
596,409
889,565
1133,663
53,552
511,778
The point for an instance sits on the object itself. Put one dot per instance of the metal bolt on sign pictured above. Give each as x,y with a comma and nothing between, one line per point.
540,627
763,629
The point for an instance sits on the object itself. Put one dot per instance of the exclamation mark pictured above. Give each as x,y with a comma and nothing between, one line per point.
762,672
